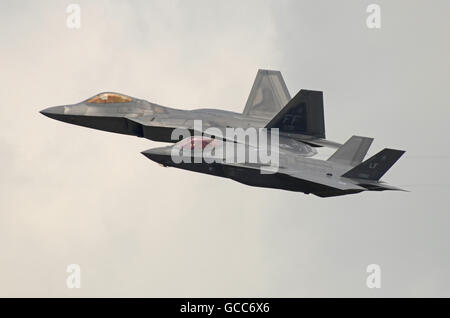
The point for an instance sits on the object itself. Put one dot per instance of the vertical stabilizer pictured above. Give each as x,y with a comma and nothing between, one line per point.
352,153
268,96
302,115
375,167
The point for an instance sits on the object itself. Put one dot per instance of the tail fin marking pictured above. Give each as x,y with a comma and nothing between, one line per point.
375,167
302,115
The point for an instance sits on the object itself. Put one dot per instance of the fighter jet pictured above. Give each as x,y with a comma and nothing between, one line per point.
297,122
269,105
343,173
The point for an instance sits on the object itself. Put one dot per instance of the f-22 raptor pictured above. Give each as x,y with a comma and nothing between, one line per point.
302,119
299,122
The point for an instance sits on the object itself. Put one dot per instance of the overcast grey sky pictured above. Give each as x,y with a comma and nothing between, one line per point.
74,195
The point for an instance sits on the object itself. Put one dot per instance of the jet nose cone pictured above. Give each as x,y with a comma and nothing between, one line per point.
53,112
159,155
151,153
147,153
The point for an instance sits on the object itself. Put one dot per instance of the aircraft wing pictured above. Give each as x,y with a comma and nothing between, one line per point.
320,184
316,177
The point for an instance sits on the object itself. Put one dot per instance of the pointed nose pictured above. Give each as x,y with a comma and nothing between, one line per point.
153,154
53,112
159,155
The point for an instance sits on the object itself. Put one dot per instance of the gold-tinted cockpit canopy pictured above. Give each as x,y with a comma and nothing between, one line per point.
109,98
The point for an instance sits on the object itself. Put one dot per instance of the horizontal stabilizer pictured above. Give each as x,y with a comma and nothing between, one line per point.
352,153
375,167
302,115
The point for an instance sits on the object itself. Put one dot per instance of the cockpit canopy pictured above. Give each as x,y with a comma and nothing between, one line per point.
198,142
109,98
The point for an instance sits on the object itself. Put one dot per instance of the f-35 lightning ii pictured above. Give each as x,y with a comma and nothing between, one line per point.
343,173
